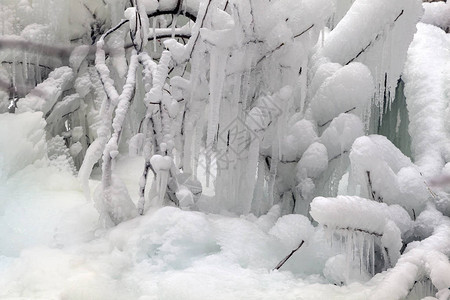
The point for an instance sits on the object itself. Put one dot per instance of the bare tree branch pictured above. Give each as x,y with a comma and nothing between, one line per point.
281,263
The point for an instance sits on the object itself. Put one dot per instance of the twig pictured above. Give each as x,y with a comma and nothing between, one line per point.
329,121
282,44
281,263
370,43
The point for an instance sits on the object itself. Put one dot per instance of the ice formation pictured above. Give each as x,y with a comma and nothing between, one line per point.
218,137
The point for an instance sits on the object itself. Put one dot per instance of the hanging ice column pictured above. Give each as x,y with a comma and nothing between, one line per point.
251,62
365,225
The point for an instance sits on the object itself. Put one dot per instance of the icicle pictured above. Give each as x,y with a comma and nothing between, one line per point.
174,24
361,251
154,34
161,165
372,246
217,75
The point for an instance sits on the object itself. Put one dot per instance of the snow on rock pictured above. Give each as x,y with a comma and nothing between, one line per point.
380,171
349,88
427,91
23,141
351,212
341,133
44,95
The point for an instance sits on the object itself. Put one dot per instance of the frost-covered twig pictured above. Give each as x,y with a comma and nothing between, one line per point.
282,44
378,37
174,8
281,263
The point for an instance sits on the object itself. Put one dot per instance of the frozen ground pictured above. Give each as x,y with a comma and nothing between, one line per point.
52,249
52,246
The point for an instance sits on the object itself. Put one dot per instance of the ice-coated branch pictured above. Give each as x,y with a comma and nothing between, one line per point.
378,37
358,214
282,44
155,94
185,7
284,260
429,257
160,33
17,43
115,28
111,148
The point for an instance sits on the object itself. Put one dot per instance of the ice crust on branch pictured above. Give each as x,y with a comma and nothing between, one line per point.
45,95
428,257
383,173
355,213
376,33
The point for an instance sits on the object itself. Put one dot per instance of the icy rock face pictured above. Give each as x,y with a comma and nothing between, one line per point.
379,171
23,141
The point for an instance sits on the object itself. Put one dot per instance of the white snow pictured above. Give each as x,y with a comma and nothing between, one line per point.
351,212
428,99
437,14
349,88
263,112
394,179
341,133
